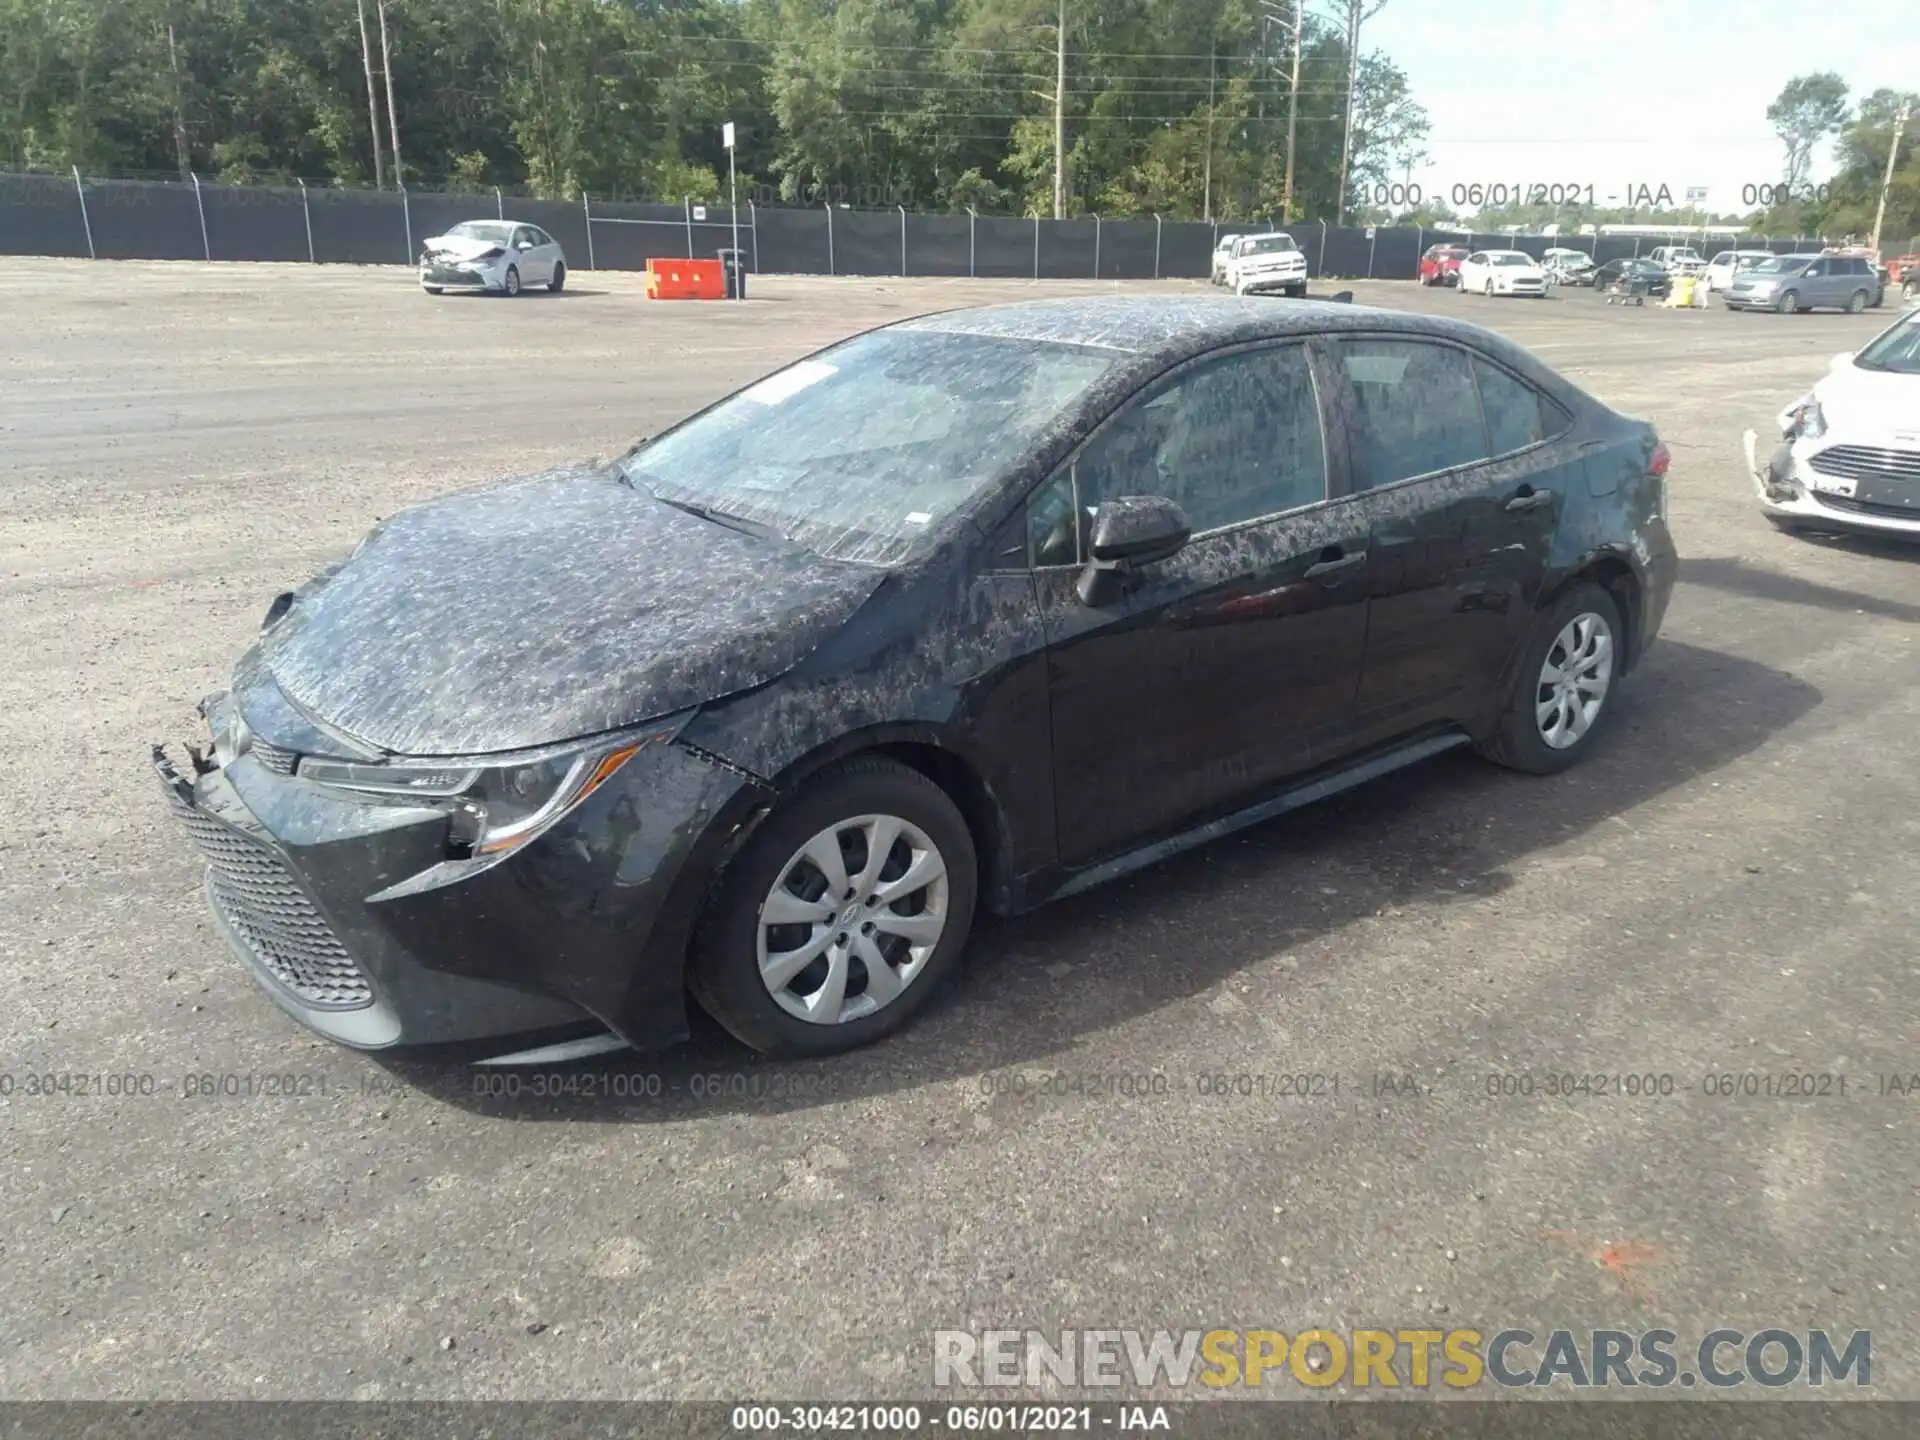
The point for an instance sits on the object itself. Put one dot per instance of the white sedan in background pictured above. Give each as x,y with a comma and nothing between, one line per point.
1729,263
501,256
1849,451
1502,272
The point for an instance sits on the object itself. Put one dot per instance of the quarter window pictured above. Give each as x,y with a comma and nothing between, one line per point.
1516,415
1418,409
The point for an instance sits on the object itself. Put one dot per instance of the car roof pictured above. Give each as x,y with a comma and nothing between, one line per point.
1171,327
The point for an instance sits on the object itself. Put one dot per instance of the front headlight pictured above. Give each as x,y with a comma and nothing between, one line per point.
1809,420
499,803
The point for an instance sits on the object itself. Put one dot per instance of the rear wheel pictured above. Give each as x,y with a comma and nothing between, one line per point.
559,280
841,916
1856,302
1564,684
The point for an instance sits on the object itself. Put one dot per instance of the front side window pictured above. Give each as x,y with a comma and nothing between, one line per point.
1418,409
1229,440
861,452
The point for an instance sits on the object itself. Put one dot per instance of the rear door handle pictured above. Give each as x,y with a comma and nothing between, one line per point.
1336,564
1530,499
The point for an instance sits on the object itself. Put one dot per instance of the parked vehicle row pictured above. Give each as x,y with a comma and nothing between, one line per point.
972,611
1848,457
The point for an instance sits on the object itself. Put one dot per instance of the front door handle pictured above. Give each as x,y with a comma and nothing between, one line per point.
1334,562
1530,499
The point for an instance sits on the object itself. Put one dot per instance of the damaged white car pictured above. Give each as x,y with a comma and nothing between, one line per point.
1849,452
500,256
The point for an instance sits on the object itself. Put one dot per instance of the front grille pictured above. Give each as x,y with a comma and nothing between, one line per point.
273,757
1868,462
1909,513
268,910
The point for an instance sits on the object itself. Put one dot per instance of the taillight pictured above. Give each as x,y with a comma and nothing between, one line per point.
1657,463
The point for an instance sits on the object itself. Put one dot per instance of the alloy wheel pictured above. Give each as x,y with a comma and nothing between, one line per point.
1573,681
852,919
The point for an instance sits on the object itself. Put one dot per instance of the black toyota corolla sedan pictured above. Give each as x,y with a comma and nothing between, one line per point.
975,610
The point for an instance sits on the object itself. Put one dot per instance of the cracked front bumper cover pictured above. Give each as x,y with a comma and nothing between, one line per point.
1785,487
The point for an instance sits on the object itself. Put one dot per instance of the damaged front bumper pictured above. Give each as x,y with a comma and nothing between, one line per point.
581,931
1793,493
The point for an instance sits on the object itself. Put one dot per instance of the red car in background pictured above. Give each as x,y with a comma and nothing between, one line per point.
1441,264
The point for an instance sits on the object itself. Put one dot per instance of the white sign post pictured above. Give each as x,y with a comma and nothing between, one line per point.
733,209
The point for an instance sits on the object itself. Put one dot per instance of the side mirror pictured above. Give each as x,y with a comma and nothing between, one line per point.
1130,530
1840,361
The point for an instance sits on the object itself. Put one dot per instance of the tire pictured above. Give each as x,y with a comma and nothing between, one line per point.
1788,303
842,804
512,285
431,289
1298,292
1856,302
559,280
1517,741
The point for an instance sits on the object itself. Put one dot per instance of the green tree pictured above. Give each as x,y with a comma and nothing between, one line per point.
1807,110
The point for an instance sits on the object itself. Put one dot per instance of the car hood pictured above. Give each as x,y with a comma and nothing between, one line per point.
461,247
545,609
1866,404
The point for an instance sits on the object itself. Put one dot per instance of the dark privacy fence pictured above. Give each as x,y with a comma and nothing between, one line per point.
167,220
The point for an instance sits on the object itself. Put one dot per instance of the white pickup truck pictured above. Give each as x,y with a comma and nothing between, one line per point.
1267,262
1678,259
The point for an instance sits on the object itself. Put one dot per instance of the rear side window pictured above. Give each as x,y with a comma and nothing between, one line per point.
1418,411
1517,414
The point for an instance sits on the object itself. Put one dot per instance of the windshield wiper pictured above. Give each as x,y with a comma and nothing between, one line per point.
720,518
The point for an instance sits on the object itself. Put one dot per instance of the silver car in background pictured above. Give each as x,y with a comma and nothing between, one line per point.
503,257
1790,283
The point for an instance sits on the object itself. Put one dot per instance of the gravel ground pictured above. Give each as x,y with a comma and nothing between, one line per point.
1726,887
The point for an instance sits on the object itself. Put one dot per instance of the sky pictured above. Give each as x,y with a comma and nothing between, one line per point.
1628,93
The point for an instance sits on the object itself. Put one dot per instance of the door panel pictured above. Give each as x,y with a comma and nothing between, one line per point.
1219,672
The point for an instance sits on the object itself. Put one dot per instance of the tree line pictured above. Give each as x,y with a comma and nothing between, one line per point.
1176,107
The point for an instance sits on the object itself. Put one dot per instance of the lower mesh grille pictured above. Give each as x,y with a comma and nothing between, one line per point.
268,910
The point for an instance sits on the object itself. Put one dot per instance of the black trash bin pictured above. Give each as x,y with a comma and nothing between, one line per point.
735,264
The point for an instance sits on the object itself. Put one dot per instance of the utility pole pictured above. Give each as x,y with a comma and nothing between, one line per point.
1206,171
1346,127
1886,181
179,113
1293,111
393,116
373,106
1060,117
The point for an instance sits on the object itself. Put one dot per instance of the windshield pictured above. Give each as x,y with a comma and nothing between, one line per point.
1897,349
859,452
1508,257
1781,265
1270,244
493,230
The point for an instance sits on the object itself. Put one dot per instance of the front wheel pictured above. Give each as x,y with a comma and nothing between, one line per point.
1788,303
1298,292
512,282
841,916
1564,684
559,280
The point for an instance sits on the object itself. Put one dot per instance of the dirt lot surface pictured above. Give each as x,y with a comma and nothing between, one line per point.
1726,888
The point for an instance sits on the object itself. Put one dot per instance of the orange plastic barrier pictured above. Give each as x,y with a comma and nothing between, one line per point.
686,280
